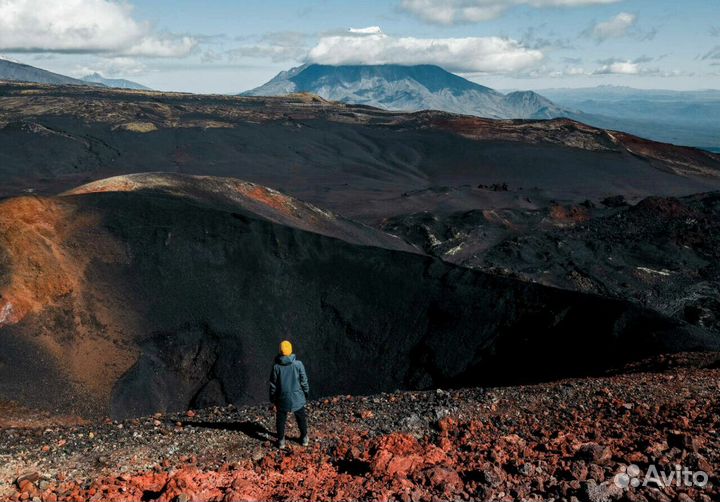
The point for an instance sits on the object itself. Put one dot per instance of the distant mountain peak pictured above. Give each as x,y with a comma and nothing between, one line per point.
120,83
406,88
15,71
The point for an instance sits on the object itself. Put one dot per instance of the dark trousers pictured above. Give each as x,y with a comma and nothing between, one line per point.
281,420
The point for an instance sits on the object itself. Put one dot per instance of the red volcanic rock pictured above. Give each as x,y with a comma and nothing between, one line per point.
536,444
399,455
596,472
446,424
579,470
366,414
443,479
570,215
396,454
387,464
493,476
636,458
245,487
593,452
683,441
28,487
30,476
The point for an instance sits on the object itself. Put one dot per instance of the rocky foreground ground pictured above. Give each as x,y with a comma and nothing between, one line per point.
565,440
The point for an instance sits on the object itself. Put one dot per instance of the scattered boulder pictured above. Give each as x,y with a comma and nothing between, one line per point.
595,453
30,476
444,480
682,441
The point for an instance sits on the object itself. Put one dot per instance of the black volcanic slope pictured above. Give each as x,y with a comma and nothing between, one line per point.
361,162
661,253
163,291
156,293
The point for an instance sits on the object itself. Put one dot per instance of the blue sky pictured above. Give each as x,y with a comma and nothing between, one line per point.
225,46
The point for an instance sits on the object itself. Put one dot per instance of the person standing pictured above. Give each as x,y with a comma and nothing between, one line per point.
289,389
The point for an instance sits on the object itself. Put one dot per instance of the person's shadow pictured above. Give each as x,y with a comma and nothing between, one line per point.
254,430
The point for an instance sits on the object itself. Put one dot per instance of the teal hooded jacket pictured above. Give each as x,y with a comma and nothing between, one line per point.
289,385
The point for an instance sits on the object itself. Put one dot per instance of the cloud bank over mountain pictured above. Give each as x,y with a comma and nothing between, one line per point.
370,46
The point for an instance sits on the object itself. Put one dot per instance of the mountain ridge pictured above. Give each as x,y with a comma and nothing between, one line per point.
380,155
16,71
20,72
670,116
409,88
119,83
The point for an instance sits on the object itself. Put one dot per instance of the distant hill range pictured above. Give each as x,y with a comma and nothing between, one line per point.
409,88
683,118
680,117
119,83
19,72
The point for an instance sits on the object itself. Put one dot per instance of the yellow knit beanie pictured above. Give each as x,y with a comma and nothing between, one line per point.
285,348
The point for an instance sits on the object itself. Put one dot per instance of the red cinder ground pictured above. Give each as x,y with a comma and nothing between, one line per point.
563,440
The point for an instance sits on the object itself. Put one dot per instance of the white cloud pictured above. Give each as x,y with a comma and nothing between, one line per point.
616,27
470,54
619,68
574,71
635,66
474,11
632,68
83,26
168,46
609,66
367,31
111,67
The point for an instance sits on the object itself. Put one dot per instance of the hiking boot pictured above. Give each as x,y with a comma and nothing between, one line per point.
281,444
305,441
